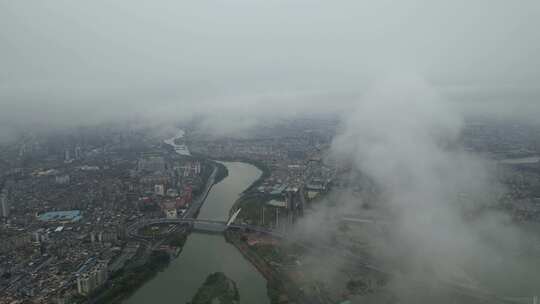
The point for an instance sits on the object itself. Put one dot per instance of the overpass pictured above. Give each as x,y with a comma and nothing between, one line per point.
203,225
217,226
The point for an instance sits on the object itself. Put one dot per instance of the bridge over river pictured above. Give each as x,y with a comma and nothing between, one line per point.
203,225
203,253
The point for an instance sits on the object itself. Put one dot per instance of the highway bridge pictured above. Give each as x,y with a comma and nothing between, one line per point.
217,226
203,225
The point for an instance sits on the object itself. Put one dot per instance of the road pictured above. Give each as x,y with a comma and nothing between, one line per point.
196,205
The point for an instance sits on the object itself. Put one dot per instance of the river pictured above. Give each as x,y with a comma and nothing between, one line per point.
204,254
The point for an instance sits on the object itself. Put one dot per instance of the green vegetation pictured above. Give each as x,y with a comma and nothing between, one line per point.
149,207
77,298
280,287
217,288
222,172
126,281
176,240
154,230
252,208
368,284
269,253
207,167
357,286
275,291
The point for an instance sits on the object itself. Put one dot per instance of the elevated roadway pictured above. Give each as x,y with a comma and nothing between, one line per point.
204,225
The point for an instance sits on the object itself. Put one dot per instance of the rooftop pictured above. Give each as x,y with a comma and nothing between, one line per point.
61,216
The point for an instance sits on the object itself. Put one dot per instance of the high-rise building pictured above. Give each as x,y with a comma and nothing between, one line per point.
295,200
62,179
159,189
4,203
67,156
78,153
86,283
102,274
92,279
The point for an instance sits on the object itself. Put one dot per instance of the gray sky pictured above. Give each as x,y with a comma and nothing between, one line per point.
246,61
76,61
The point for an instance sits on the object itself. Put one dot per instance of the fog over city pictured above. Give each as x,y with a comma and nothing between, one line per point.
402,135
402,79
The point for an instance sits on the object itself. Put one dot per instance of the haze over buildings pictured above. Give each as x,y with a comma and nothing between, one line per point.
419,119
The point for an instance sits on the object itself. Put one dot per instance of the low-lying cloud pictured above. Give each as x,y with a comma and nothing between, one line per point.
436,198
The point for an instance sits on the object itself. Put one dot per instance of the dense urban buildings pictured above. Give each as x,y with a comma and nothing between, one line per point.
270,152
69,218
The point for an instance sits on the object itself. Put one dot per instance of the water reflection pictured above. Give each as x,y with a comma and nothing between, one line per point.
204,254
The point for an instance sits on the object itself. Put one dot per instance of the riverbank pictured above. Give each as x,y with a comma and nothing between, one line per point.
248,195
266,171
134,275
280,288
126,281
219,173
222,172
203,253
154,272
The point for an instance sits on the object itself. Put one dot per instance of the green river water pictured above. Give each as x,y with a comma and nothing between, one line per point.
204,254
